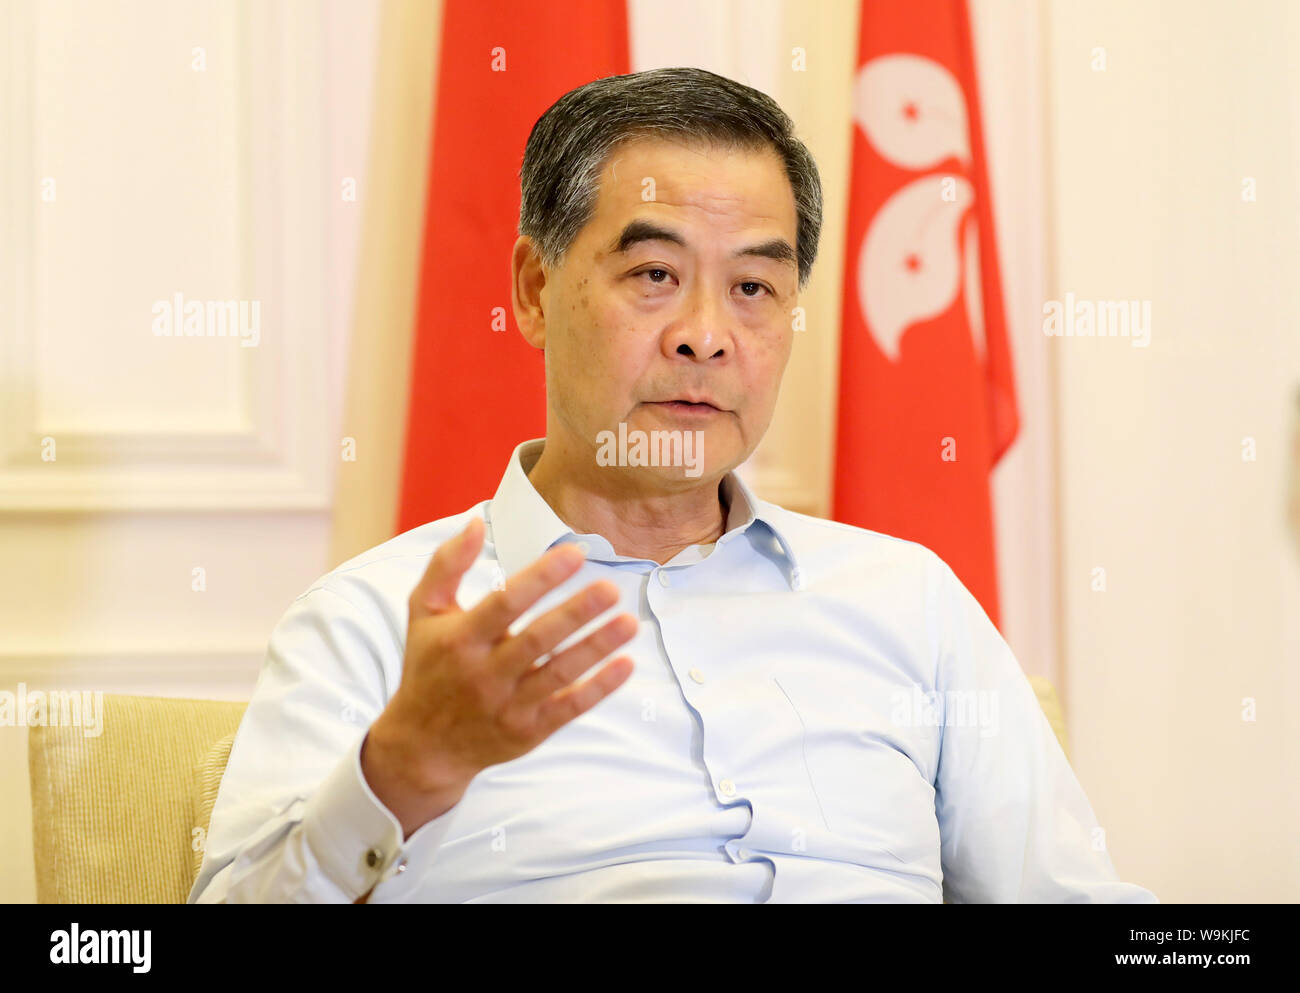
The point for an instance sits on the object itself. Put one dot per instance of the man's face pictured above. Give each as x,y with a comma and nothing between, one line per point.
679,288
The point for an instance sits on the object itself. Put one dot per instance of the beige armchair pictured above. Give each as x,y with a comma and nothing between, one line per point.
121,818
114,816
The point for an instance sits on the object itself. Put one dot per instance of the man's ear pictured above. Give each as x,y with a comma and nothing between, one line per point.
527,282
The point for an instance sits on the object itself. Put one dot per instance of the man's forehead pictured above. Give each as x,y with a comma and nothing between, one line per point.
643,172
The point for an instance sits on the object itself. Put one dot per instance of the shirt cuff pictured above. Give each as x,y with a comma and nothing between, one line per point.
356,839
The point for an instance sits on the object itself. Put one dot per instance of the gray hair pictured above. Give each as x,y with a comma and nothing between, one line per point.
570,144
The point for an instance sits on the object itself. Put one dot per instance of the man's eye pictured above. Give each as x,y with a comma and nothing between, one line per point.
750,289
657,275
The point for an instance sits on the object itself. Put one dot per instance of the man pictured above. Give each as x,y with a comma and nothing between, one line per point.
799,710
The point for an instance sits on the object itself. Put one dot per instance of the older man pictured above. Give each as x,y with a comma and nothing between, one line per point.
798,711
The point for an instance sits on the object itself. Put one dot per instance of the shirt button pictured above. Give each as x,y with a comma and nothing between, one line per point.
697,675
664,578
584,547
727,787
743,854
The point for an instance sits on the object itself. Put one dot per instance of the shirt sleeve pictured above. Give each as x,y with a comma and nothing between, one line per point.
295,820
1014,823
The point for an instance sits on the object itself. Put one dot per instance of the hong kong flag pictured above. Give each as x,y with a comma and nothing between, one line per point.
477,388
927,401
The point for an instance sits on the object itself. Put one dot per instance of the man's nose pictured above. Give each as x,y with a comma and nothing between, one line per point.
702,331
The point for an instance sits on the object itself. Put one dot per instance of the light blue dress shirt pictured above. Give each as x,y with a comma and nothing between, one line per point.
818,713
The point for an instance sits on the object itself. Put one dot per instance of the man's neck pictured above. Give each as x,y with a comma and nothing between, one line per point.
654,527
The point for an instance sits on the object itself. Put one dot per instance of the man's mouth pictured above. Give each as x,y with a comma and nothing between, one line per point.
688,408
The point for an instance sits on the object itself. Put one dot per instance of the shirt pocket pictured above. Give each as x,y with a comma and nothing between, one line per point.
865,771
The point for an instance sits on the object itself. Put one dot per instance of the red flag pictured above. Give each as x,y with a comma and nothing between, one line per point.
477,392
927,400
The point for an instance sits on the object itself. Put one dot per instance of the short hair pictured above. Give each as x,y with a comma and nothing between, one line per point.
569,145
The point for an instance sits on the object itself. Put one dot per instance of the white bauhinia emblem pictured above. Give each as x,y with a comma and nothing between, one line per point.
909,268
910,263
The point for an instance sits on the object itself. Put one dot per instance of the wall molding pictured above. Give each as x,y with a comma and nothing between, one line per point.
281,456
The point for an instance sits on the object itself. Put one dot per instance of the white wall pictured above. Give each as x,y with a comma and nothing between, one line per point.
1198,613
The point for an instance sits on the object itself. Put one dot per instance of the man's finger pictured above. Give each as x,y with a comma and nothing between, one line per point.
562,669
574,701
491,617
516,655
436,590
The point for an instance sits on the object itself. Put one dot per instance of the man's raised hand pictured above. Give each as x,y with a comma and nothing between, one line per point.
470,694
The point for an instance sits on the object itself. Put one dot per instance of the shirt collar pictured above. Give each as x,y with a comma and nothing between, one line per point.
523,525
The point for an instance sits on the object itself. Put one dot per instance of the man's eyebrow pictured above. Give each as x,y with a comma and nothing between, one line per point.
777,249
637,231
